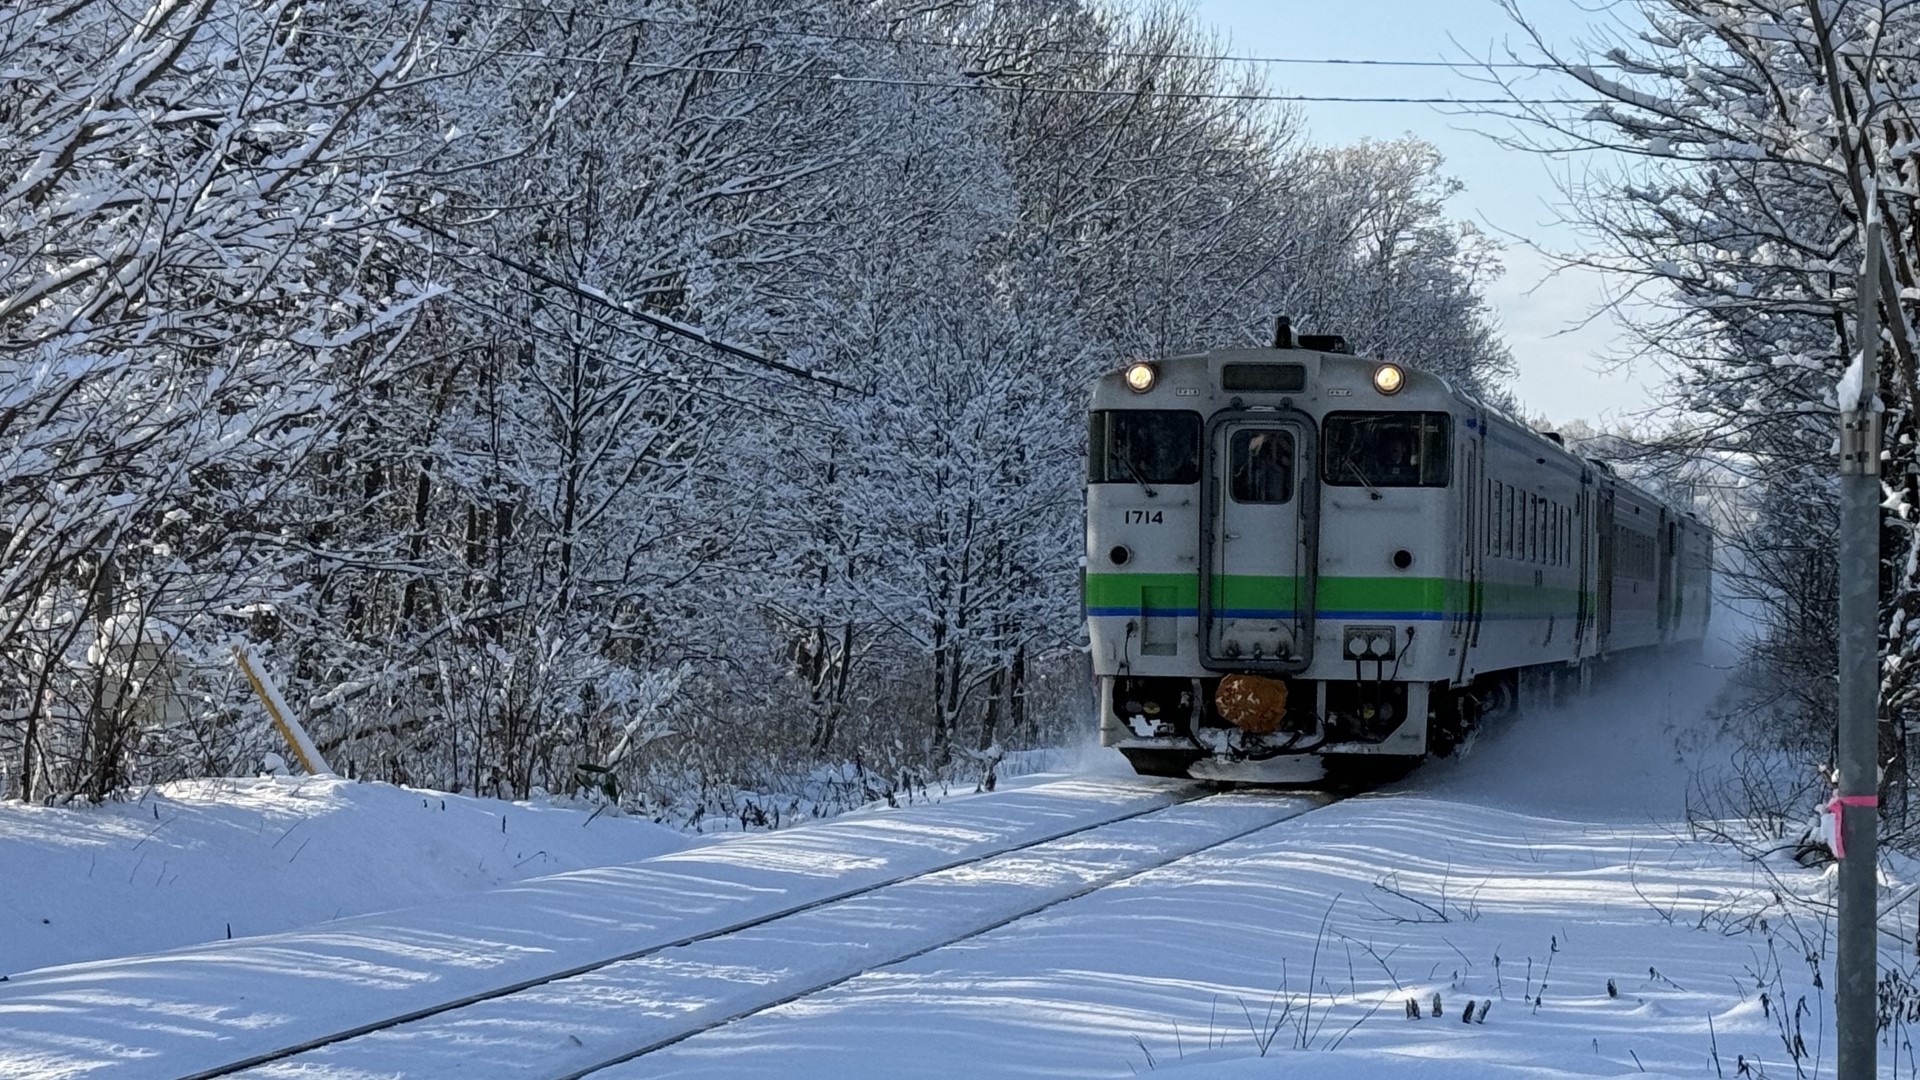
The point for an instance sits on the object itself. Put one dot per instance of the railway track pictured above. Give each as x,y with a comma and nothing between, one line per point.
601,1016
229,1006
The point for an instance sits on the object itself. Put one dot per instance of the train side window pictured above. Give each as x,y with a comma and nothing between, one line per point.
1493,517
1520,525
1513,520
1553,534
1500,528
1502,505
1517,543
1539,530
1262,466
1524,542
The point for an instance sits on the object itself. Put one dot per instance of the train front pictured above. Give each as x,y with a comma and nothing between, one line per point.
1266,537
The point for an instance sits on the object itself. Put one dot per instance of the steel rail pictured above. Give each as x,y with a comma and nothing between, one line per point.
268,1057
1094,886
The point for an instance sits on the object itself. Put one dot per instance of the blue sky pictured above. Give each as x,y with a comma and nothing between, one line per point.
1564,374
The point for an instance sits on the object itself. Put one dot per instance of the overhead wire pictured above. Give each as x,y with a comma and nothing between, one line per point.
981,84
990,46
670,326
494,314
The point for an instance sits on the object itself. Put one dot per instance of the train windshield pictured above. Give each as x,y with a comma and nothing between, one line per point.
1144,446
1385,449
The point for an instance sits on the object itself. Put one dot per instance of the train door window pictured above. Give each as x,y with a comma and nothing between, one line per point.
1143,446
1566,533
1553,534
1262,466
1539,529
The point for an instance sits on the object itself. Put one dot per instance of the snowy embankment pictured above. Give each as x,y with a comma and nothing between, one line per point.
203,860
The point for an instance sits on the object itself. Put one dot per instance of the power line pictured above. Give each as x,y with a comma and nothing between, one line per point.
493,314
988,47
657,322
1015,88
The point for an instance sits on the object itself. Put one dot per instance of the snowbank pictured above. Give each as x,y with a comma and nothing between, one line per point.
199,860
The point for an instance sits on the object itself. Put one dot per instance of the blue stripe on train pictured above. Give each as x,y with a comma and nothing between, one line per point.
1324,613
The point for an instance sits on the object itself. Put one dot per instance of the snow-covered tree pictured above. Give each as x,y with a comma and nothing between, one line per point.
193,277
1756,136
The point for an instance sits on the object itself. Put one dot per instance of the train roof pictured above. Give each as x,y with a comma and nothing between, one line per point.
1317,360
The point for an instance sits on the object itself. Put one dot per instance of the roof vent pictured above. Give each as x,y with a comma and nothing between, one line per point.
1333,343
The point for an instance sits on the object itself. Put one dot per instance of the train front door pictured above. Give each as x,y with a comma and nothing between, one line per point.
1259,551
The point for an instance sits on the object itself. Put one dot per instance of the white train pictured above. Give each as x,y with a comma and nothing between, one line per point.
1300,560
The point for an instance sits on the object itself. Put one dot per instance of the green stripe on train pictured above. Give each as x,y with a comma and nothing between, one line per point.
1183,590
1359,594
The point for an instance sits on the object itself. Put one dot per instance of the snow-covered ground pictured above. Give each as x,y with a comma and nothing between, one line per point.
209,859
1547,877
1544,893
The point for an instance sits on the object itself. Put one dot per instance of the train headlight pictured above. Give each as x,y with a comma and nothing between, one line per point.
1388,378
1141,377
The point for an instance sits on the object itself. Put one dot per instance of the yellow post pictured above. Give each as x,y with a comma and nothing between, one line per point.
303,749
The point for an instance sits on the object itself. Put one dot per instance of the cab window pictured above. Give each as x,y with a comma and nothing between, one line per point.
1143,446
1386,449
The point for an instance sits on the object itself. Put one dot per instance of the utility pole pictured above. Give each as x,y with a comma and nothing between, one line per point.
1855,834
